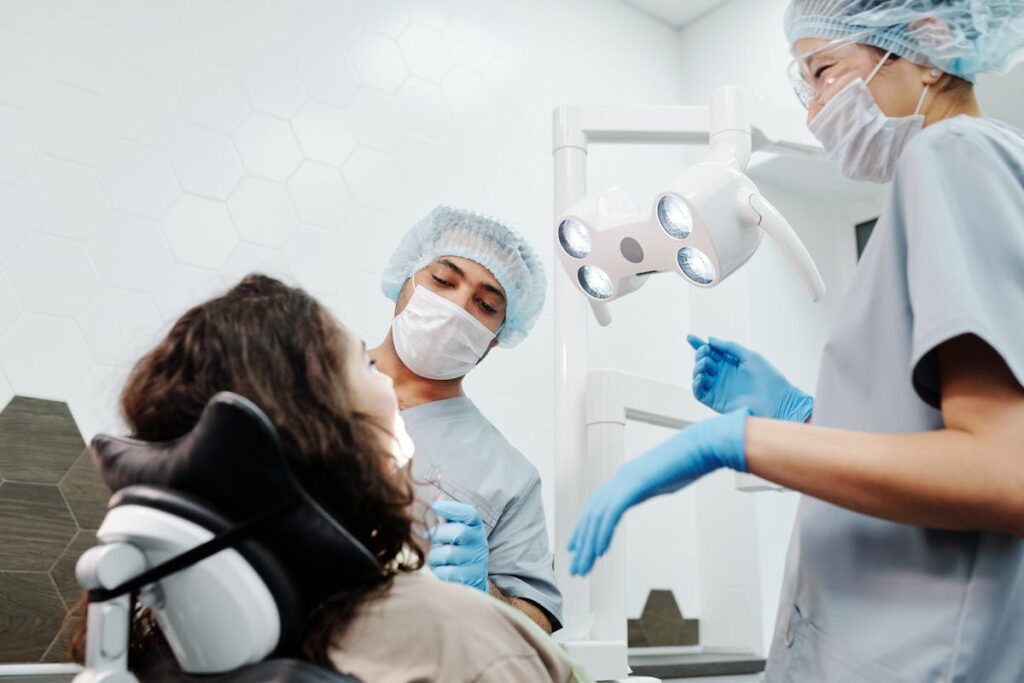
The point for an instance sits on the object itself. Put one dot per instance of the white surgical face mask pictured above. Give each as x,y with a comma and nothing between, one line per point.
858,136
438,339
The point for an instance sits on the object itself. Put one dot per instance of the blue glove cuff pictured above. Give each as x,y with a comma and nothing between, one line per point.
732,452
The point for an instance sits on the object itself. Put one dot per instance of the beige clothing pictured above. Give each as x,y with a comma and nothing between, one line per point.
425,630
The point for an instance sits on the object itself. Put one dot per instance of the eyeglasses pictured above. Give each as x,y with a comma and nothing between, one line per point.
814,71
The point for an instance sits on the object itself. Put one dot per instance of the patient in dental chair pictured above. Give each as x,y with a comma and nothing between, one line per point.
335,414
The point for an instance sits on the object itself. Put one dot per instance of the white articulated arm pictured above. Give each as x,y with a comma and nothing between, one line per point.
773,223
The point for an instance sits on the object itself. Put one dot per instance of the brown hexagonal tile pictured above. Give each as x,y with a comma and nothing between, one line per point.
59,650
32,615
63,571
35,526
85,492
38,440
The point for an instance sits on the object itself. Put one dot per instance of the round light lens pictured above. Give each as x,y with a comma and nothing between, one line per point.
696,265
574,238
595,282
675,217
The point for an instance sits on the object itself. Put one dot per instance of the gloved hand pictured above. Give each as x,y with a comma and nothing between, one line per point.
728,376
458,546
693,452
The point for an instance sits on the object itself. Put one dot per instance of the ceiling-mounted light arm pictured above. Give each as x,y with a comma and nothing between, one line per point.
729,128
779,229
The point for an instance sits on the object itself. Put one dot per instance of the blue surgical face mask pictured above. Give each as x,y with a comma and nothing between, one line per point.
858,136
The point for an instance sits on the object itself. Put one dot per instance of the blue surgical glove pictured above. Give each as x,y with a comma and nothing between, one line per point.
727,376
458,546
689,455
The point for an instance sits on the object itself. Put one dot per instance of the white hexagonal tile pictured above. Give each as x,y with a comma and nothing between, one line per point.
6,392
468,97
95,404
152,41
318,258
137,179
130,252
17,144
9,305
376,119
206,162
17,81
267,147
328,74
119,326
470,45
426,111
378,62
278,29
27,17
386,18
425,52
332,22
69,122
263,212
433,13
212,96
274,86
373,178
13,219
252,258
183,287
200,231
361,307
82,52
64,198
44,356
145,109
423,165
52,275
214,32
374,254
320,194
324,133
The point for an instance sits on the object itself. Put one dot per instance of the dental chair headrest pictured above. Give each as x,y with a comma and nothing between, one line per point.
233,462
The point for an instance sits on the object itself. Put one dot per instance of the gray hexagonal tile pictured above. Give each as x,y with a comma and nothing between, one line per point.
263,212
324,133
318,258
184,287
52,275
85,492
119,325
81,51
426,111
9,305
212,96
332,22
137,179
6,392
44,356
320,194
251,258
432,13
274,86
145,109
328,74
69,122
95,404
373,178
151,41
16,82
130,252
267,147
378,61
468,97
59,651
423,164
17,144
64,198
38,440
470,45
63,571
386,18
200,231
376,119
206,162
32,616
426,52
35,526
27,18
14,220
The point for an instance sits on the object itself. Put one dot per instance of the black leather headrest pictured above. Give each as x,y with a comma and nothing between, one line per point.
233,461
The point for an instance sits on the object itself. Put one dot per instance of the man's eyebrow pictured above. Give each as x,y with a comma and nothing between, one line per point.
446,262
494,290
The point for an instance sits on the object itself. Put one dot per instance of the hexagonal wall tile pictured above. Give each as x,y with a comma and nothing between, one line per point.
38,440
82,52
184,287
32,615
318,258
274,86
376,119
137,179
378,61
386,18
324,133
119,325
59,650
6,393
70,123
467,96
425,52
263,212
145,109
44,356
251,258
332,22
212,96
17,144
9,306
426,111
16,82
267,146
64,198
63,571
200,231
150,42
320,194
373,178
130,252
432,13
14,220
328,74
470,45
52,275
206,162
35,526
95,404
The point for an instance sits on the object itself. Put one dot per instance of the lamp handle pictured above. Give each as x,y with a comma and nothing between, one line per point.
773,223
601,313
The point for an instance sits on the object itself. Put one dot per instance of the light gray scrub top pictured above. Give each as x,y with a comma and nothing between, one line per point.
460,452
869,600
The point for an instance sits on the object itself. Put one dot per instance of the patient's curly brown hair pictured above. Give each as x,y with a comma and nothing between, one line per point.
277,346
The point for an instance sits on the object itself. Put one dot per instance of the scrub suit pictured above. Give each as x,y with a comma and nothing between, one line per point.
459,452
870,600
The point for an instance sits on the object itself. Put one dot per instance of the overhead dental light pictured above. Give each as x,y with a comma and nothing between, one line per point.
706,222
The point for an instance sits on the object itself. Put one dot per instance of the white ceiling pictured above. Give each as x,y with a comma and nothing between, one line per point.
675,13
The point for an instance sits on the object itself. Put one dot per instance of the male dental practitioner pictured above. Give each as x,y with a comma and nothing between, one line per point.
462,284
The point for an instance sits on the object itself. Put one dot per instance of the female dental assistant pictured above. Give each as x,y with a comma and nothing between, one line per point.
907,559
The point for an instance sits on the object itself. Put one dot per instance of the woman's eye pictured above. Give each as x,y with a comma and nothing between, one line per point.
821,70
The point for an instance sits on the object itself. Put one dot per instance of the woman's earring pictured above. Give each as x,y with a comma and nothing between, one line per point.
935,72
